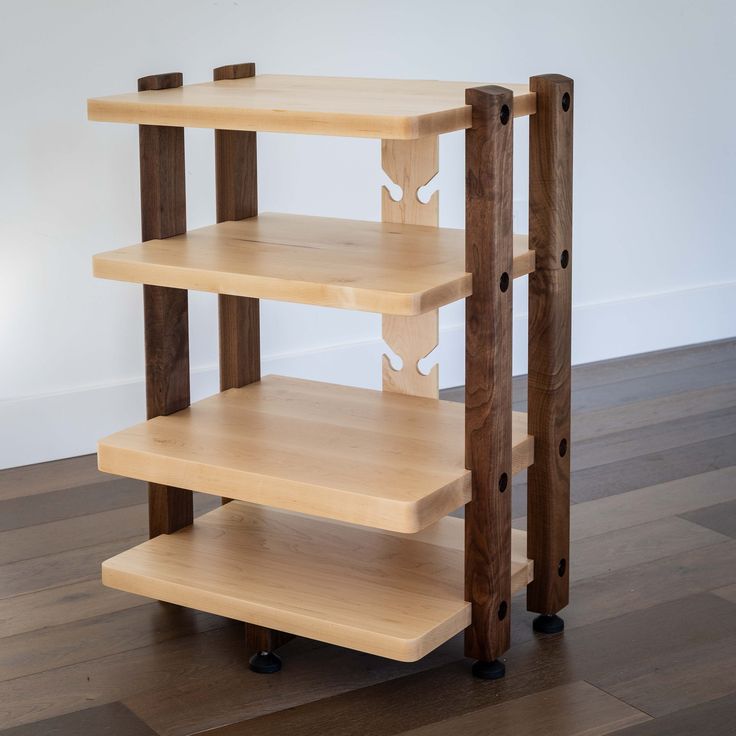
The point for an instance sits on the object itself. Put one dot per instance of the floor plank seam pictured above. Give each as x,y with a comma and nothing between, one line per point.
620,699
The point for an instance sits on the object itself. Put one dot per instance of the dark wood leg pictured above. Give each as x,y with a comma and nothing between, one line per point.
550,236
236,179
236,183
488,319
263,643
163,214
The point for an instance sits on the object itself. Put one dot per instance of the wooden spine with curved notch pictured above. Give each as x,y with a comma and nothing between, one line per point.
488,329
411,164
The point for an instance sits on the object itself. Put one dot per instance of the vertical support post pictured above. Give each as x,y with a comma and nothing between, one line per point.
236,181
488,331
550,286
163,214
236,186
236,193
411,164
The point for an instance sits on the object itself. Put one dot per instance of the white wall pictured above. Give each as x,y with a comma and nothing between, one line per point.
655,262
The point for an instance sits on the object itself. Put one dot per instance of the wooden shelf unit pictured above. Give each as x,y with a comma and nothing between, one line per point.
334,523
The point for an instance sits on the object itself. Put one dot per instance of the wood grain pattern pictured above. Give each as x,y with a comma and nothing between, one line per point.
343,106
411,338
223,694
384,594
624,646
236,179
166,318
647,583
29,612
721,518
88,647
488,328
357,455
675,685
411,165
26,480
163,194
110,719
19,512
63,568
577,709
714,718
262,639
550,317
94,622
352,264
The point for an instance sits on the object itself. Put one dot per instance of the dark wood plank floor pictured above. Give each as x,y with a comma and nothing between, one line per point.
650,644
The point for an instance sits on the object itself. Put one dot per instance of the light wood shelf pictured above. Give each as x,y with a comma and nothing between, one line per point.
353,264
389,595
379,459
340,106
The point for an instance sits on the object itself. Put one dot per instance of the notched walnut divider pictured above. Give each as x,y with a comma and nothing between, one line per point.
409,577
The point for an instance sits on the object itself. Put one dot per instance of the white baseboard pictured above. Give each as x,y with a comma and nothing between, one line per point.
48,427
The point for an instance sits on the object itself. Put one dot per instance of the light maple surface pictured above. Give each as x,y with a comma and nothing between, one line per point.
341,106
392,595
410,165
352,264
368,457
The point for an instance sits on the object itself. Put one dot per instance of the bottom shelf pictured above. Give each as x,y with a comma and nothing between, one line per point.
379,592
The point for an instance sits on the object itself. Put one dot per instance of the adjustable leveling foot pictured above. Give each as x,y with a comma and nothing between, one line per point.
493,670
265,663
548,624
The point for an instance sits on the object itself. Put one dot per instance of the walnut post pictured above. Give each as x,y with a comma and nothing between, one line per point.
550,236
163,214
236,186
236,182
488,319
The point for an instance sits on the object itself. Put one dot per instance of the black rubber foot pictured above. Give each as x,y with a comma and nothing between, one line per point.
548,624
494,670
265,663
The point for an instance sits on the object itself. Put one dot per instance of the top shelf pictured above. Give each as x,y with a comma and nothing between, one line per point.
339,106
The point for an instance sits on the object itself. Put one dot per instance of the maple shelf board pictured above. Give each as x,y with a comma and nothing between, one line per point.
340,106
390,595
374,458
352,264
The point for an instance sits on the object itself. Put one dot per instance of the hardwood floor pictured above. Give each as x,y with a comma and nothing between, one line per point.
649,646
